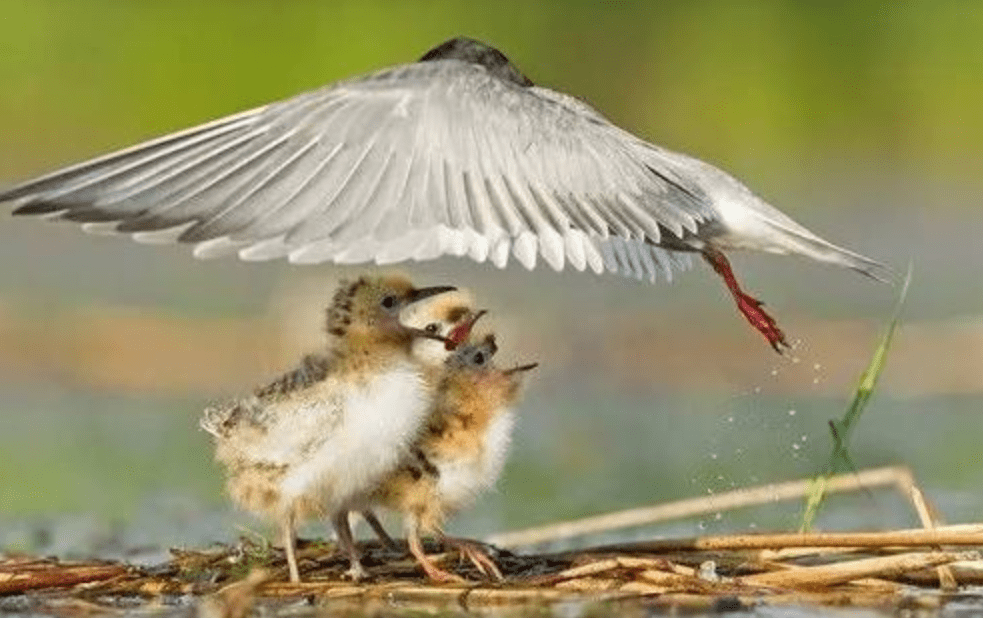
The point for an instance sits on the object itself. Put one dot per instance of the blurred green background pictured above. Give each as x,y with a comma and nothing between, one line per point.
860,119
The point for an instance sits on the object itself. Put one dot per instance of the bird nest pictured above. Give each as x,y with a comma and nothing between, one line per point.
885,569
918,568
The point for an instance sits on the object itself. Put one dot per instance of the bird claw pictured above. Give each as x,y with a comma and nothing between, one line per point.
753,311
479,557
748,305
440,576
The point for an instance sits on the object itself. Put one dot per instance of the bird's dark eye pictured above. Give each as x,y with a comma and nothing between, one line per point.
479,358
389,302
432,328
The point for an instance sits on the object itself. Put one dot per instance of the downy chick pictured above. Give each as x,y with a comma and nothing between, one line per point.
450,315
461,452
317,439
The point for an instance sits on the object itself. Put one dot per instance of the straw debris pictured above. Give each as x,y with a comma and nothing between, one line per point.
864,569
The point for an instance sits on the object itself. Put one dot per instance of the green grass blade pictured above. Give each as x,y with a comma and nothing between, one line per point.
840,430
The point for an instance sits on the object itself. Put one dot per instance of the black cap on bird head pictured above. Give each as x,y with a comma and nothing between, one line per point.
482,54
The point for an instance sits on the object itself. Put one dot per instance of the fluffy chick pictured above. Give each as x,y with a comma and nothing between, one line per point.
320,438
461,452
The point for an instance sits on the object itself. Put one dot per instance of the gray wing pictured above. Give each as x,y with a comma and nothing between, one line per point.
414,162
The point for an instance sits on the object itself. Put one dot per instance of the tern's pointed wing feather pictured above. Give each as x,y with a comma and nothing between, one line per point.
411,163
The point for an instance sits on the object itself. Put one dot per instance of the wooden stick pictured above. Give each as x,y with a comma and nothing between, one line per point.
17,576
930,521
879,540
843,572
897,476
787,553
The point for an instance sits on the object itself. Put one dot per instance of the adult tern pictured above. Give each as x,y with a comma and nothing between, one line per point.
458,153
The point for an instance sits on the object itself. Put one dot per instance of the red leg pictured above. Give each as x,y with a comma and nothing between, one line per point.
751,307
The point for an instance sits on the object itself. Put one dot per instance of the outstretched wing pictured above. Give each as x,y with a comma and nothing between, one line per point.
414,162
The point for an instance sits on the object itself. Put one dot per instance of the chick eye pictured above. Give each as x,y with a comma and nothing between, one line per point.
432,328
389,302
479,358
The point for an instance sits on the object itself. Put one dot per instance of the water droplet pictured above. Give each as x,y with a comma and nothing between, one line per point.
815,380
804,437
817,366
795,446
730,419
791,412
702,525
752,525
774,371
738,451
757,389
718,516
796,360
713,455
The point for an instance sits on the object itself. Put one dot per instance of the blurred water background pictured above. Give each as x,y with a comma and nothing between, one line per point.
861,120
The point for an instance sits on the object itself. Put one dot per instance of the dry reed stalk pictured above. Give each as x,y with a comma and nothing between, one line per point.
624,563
894,476
590,584
790,553
838,598
660,564
675,582
585,570
686,601
966,573
403,593
875,540
18,575
643,588
930,521
844,572
877,585
481,597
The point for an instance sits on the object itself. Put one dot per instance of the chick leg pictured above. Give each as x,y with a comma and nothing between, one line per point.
435,573
347,543
751,307
289,547
380,532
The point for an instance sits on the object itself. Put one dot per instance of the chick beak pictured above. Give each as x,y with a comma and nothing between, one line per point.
416,295
521,368
419,294
419,332
460,333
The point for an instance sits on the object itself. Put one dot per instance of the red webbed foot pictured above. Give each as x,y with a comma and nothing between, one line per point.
750,307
